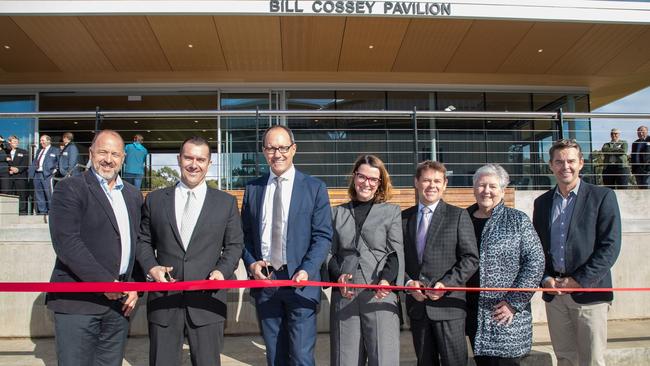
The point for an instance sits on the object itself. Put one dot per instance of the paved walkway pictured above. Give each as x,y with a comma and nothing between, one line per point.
629,345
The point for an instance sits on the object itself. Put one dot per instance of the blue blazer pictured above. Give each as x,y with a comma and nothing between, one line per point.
309,231
50,162
593,242
68,160
86,239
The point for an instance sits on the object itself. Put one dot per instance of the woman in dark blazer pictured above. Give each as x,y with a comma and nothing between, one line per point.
367,248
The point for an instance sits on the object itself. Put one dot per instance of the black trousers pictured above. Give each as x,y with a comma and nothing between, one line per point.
18,187
166,342
615,177
439,343
4,183
91,340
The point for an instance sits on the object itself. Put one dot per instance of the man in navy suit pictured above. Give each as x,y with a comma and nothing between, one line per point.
69,157
287,234
579,225
41,172
94,224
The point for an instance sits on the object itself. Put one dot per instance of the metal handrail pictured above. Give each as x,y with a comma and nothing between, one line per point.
318,113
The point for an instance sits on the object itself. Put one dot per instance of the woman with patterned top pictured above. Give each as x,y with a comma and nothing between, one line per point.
366,248
499,324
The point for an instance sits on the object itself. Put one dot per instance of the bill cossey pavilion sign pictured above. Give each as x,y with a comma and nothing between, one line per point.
358,7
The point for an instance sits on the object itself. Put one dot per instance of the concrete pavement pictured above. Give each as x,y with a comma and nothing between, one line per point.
629,345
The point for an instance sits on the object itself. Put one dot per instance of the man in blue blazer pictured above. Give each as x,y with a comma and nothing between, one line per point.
579,225
287,234
94,224
41,172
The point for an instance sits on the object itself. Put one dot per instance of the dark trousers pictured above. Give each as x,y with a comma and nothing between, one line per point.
642,180
5,184
166,342
90,340
288,323
439,343
615,177
496,361
18,187
42,192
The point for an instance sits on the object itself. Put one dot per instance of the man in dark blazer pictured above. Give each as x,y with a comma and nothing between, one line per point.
641,158
18,164
69,157
42,171
287,235
189,232
440,251
4,166
94,224
579,225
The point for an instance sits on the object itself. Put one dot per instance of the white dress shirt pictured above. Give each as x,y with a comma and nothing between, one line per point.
267,212
180,198
121,213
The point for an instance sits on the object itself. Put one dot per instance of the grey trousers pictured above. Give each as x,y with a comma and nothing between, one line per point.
364,328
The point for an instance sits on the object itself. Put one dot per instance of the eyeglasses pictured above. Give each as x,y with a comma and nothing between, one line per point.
282,149
361,178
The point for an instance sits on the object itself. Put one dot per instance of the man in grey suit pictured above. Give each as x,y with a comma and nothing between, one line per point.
440,251
189,232
579,225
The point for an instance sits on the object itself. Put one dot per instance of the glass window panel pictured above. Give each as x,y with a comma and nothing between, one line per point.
507,102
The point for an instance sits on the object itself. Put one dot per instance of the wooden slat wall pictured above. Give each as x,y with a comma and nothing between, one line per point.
405,197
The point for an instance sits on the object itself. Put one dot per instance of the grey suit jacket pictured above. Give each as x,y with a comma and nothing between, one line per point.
381,235
216,243
450,256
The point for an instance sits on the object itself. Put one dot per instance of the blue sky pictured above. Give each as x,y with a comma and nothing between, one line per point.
638,102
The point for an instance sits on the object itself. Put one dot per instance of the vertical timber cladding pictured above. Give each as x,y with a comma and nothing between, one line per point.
358,7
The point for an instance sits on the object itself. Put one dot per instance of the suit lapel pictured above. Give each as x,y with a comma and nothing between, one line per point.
296,196
99,194
203,216
581,200
170,208
434,225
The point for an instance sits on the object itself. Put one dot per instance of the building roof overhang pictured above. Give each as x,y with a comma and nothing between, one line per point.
601,47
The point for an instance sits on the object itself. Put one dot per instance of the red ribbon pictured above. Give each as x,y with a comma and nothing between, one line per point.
237,284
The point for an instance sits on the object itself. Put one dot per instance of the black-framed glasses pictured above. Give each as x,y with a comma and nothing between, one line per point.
361,178
272,149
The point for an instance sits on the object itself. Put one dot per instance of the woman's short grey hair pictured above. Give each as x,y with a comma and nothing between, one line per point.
495,170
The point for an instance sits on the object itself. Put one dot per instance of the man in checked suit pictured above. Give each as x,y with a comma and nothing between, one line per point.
94,224
579,225
287,235
440,251
189,232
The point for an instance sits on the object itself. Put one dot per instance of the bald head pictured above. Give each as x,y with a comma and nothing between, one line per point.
107,155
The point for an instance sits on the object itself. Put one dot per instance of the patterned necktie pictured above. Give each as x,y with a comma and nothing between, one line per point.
423,226
276,228
186,222
39,161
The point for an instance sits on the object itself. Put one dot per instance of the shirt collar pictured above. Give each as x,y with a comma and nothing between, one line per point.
288,175
199,191
574,190
431,207
119,184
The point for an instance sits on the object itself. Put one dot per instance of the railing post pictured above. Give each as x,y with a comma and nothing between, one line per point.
415,137
257,141
98,119
560,123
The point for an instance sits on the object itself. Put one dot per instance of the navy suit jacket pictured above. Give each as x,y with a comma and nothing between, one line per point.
593,242
86,240
309,231
50,162
68,160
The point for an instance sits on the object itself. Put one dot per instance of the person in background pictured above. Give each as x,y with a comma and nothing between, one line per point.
579,225
18,165
4,166
42,171
366,249
641,158
616,171
136,157
69,157
500,324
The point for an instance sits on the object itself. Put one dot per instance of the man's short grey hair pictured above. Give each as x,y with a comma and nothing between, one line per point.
495,170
